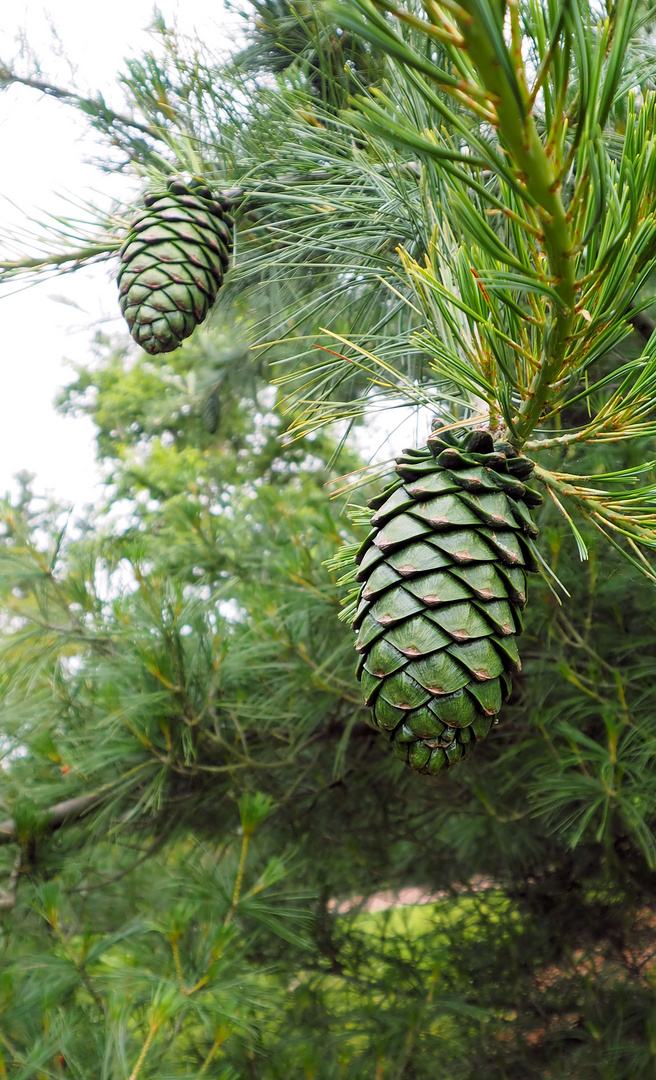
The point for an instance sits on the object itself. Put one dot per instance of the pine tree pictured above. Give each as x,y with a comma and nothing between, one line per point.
198,809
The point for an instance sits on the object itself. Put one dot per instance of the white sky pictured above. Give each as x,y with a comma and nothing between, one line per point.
45,148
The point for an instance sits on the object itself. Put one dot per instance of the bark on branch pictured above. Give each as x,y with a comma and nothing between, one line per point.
63,813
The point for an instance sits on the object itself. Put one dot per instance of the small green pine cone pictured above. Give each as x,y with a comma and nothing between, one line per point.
211,411
172,263
443,575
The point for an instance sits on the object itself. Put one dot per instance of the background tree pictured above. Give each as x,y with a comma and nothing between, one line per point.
197,807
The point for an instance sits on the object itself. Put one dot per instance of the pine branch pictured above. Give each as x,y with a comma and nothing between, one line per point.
59,260
8,896
91,106
625,517
64,813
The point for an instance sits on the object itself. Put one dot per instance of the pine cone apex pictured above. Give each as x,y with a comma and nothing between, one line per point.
477,447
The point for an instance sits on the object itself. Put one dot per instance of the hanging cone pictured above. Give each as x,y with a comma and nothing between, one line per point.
211,411
443,575
172,263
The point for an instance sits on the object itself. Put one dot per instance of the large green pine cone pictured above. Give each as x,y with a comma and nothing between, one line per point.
443,577
172,263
